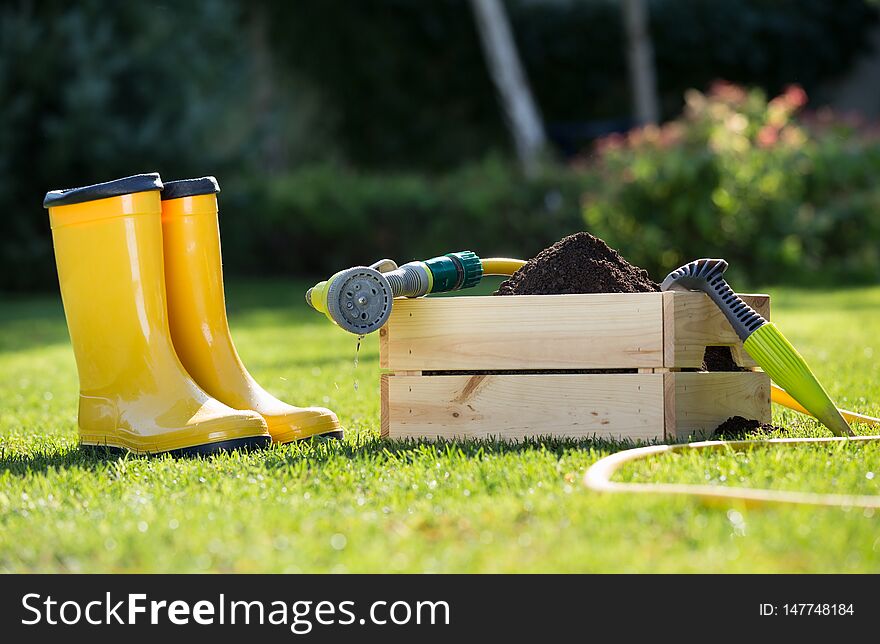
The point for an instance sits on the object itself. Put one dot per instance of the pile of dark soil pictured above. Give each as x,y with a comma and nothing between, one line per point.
737,427
579,263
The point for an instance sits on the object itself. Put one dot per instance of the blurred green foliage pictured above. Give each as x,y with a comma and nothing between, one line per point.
740,177
316,113
323,218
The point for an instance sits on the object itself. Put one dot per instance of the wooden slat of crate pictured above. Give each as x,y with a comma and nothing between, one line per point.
597,331
601,331
514,406
696,322
671,405
702,401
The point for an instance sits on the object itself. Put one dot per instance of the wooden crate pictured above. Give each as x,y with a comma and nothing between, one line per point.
537,365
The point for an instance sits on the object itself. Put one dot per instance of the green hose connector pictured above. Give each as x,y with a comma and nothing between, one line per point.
455,271
789,370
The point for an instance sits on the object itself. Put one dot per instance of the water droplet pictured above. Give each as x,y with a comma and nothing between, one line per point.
357,353
357,350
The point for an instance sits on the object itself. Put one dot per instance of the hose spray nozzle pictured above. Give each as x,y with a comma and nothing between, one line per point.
359,299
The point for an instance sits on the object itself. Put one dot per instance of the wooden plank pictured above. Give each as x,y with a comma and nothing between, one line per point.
669,328
699,323
705,400
669,419
517,406
383,405
600,331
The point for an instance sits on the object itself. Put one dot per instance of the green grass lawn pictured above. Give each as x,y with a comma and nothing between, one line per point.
370,505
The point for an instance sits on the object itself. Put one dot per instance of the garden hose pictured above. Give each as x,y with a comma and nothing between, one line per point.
598,476
359,299
781,397
501,266
761,339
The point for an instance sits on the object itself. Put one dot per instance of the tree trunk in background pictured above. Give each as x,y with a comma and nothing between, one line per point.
858,88
640,53
506,71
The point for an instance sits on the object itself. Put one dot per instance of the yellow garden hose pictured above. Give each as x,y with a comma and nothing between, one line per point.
501,265
598,477
781,397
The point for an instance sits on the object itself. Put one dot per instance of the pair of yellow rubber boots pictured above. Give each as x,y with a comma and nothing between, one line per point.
141,279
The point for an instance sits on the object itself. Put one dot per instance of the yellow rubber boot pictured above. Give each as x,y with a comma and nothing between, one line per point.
197,310
134,393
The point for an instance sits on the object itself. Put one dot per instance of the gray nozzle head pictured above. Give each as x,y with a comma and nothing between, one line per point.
694,276
707,275
359,300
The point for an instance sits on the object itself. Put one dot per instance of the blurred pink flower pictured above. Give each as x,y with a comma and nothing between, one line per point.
613,141
671,133
795,96
767,136
727,91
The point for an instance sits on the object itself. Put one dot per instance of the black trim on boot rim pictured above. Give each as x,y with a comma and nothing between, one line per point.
116,187
190,188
